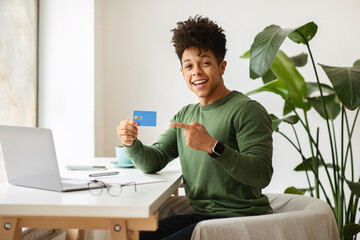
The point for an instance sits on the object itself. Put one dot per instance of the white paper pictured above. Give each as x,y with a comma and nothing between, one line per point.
138,178
123,179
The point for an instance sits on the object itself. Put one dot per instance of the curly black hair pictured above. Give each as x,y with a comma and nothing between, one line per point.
202,33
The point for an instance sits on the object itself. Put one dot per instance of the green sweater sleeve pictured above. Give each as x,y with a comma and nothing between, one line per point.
151,159
252,164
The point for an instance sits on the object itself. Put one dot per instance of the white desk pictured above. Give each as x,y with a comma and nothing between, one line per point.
124,215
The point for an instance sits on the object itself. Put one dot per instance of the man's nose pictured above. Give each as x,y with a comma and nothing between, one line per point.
197,70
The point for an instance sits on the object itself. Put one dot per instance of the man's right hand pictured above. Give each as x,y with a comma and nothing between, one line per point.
127,132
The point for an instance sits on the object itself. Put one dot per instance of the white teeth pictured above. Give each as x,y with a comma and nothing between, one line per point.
199,82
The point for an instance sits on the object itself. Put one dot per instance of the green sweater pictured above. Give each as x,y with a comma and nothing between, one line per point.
229,185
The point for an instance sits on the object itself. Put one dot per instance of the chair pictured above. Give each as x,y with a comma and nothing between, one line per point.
294,217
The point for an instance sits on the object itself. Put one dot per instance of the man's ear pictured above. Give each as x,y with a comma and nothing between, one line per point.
182,71
222,67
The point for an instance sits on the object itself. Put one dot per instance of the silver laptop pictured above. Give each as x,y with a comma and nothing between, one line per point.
30,159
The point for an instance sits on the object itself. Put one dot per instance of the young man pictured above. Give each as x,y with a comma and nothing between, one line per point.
224,142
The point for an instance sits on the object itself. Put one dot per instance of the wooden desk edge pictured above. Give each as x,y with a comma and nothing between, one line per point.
119,227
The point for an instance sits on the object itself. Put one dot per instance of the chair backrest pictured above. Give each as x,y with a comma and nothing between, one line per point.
295,217
289,203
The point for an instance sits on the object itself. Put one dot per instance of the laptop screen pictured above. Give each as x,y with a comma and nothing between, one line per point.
29,157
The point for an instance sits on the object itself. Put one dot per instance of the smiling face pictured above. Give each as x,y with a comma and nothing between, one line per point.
203,75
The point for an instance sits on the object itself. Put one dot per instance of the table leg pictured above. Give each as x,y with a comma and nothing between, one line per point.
75,234
81,235
134,235
9,229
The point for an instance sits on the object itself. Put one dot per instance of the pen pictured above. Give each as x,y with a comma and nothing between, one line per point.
103,174
85,167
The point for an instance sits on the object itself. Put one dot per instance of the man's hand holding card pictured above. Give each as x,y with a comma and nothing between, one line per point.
127,130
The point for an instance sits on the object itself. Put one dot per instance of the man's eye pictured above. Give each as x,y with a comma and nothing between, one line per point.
187,66
205,63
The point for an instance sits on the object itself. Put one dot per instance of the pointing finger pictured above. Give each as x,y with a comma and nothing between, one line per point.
180,125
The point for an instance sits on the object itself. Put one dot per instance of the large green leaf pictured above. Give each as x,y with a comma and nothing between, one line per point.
265,46
267,43
354,187
293,119
298,191
246,55
285,70
350,229
268,76
299,60
307,31
313,161
346,82
313,87
276,121
277,86
287,107
331,103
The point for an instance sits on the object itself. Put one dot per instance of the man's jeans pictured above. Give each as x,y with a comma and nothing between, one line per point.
178,227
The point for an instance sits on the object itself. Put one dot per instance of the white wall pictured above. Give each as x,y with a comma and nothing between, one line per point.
66,76
136,67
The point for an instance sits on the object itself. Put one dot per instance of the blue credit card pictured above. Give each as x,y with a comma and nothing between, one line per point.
145,118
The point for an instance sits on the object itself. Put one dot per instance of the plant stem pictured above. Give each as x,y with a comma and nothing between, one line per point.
352,206
303,157
341,194
306,172
355,208
335,145
336,179
325,110
317,148
317,157
312,155
349,146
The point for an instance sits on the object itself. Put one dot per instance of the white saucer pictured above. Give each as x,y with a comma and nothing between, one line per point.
124,165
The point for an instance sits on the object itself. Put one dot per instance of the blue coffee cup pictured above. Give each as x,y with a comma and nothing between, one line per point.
122,158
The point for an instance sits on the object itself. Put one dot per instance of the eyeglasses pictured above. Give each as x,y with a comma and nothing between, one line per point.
96,187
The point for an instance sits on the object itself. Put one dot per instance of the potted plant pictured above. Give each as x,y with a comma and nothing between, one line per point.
281,76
